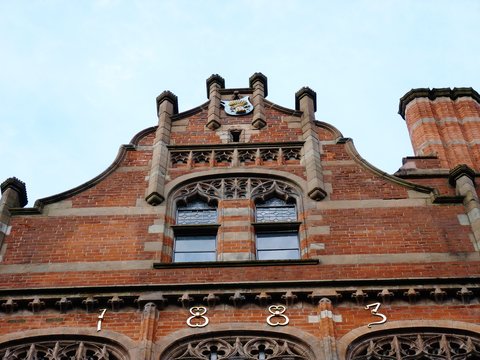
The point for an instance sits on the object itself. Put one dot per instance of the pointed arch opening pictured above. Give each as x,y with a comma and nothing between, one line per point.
416,343
245,345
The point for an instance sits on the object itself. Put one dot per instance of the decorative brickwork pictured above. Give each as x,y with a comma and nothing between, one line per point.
259,234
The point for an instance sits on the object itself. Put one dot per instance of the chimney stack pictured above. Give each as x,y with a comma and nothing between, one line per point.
444,123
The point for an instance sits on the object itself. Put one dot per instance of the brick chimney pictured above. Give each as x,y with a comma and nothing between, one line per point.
444,123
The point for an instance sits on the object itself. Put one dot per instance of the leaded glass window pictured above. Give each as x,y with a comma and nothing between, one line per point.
275,210
276,242
196,212
195,243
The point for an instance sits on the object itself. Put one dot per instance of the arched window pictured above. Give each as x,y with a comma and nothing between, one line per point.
416,344
60,350
275,224
195,237
242,347
276,229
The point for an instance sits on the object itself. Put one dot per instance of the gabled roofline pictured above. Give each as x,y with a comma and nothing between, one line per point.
350,147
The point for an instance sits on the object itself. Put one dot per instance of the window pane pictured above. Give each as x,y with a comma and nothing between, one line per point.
278,254
191,217
276,214
195,256
280,240
195,243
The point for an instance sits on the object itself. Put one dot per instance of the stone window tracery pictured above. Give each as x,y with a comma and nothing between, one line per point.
61,350
235,188
239,348
276,226
417,345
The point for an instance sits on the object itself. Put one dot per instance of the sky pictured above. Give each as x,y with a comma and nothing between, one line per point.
79,78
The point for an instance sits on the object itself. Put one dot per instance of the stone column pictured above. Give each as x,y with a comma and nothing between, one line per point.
147,330
214,84
327,328
14,195
463,178
306,101
167,105
258,82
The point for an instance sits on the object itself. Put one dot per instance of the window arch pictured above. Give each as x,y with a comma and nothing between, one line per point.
413,344
269,222
61,348
239,347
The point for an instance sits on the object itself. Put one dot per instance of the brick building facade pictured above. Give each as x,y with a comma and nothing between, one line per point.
241,229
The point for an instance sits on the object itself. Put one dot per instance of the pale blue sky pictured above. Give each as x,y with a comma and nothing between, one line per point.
79,78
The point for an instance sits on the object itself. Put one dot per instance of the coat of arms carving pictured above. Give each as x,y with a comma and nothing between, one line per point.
238,106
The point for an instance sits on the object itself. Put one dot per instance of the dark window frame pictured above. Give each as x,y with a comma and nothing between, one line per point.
187,230
276,227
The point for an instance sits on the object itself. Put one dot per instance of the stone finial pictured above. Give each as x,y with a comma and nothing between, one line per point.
17,186
215,79
458,171
258,76
258,82
359,296
115,302
63,304
168,96
237,299
305,91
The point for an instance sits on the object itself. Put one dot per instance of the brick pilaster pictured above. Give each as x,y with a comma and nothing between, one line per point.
327,328
147,330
